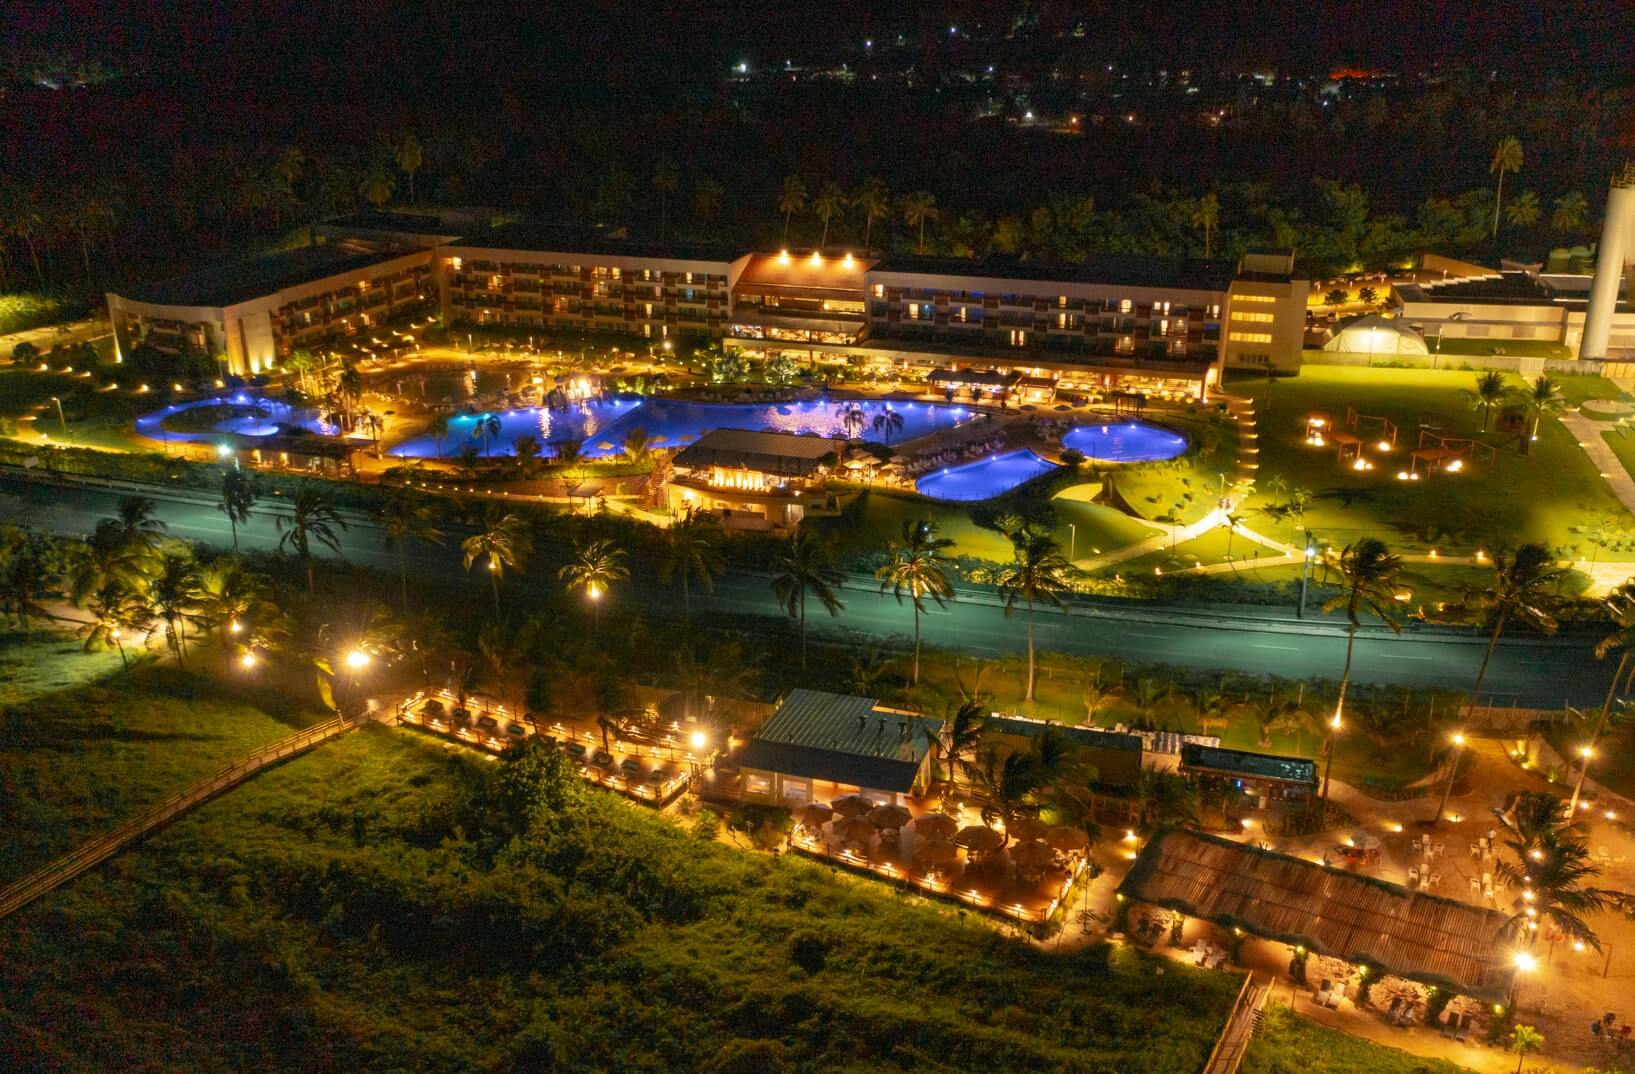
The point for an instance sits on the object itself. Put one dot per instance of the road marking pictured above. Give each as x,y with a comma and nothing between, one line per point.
1134,634
1285,648
1391,656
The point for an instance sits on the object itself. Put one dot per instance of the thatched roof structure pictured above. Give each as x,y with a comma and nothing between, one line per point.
1420,937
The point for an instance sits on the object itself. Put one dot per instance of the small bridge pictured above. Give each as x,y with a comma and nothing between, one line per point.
94,852
1241,1026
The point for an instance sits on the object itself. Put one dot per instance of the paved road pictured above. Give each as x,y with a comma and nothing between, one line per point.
1530,670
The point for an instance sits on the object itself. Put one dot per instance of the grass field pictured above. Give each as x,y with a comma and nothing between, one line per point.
1553,495
1289,1044
357,909
101,419
79,755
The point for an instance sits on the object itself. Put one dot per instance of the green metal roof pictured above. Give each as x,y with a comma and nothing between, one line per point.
1086,737
843,723
1251,765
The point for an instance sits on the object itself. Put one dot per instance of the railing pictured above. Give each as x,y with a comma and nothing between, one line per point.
99,849
1227,1055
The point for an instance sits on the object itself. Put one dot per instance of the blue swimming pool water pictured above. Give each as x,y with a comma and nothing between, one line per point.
250,414
985,478
602,426
1125,441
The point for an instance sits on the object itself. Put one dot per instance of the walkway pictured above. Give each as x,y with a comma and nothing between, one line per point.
99,849
1588,434
1241,1026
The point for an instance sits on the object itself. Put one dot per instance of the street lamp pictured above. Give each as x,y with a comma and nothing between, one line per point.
61,420
698,741
1305,575
1453,769
1328,763
1524,963
1585,752
1072,541
247,661
357,659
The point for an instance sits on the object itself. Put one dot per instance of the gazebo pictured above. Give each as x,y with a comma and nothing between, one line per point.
1424,938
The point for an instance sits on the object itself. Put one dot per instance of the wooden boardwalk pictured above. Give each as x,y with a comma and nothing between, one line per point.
1241,1026
92,853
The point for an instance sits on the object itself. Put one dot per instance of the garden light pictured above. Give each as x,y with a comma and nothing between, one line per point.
699,740
357,658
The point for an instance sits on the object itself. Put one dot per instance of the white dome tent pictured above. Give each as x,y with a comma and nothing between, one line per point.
1373,334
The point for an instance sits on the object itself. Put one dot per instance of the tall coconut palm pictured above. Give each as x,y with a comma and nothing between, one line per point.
1507,157
526,448
312,518
886,424
1570,211
805,567
1210,708
235,602
487,428
137,526
829,204
377,186
174,594
404,518
874,201
962,735
1522,582
1491,390
1037,574
595,567
104,558
238,496
691,552
25,578
1368,573
117,612
1543,397
917,565
504,543
918,209
791,200
1206,216
437,430
1558,871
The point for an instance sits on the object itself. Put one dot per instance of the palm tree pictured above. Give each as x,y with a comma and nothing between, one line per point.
116,611
137,527
301,362
1206,214
691,552
1369,574
1525,1039
1210,708
1523,210
875,202
1038,573
237,497
312,518
706,200
233,601
1556,868
172,595
377,186
887,423
723,670
638,446
487,428
852,417
527,451
1507,157
404,518
791,200
1165,797
1544,396
505,542
829,203
918,565
1620,607
594,568
917,208
1096,696
25,579
1521,585
409,157
805,567
1491,390
961,736
437,430
1570,211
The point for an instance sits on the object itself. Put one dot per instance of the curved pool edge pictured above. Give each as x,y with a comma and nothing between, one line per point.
1035,467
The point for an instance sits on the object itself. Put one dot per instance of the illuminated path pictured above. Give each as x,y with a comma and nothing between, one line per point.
1526,669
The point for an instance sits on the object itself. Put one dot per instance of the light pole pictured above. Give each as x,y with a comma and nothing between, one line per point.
60,419
1305,576
1328,763
356,661
1072,541
1525,963
225,451
1458,750
1585,752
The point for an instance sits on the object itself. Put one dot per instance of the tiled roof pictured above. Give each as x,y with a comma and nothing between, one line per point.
788,454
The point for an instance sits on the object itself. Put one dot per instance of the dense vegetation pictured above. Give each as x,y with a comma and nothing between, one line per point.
1292,1045
384,905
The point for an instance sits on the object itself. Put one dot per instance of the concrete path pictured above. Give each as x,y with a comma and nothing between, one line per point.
1588,434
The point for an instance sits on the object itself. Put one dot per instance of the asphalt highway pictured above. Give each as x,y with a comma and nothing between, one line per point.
1526,669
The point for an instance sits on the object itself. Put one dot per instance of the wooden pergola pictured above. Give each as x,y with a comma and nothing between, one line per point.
1404,933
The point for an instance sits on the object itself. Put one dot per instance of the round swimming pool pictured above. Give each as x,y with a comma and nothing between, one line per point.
245,413
1125,441
985,478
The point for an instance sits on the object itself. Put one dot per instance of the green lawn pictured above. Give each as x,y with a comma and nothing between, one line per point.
1553,495
1187,488
78,756
1289,1044
1515,348
95,418
361,908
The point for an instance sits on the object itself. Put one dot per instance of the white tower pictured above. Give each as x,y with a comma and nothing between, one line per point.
1617,252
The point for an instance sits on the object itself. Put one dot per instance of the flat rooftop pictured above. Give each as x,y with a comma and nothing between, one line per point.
1503,289
244,281
784,454
566,238
1132,270
842,738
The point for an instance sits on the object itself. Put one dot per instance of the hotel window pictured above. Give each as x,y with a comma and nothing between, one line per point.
648,308
1061,301
455,263
1163,326
495,283
363,285
1215,310
879,290
1125,305
1250,337
1019,338
913,311
1259,318
755,783
1063,321
962,313
1126,345
689,278
1160,307
1253,298
307,316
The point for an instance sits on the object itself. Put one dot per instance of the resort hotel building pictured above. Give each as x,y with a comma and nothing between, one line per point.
1108,323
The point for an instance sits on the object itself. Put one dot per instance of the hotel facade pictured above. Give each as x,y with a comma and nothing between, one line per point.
1113,323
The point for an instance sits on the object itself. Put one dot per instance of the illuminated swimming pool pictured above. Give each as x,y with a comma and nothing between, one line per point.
1125,441
601,426
243,413
985,478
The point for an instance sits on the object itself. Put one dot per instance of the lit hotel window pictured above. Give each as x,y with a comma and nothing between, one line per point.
1260,318
496,282
879,290
913,311
1061,301
1125,305
1250,337
1019,338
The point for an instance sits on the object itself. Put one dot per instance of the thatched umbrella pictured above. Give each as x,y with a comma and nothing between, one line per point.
1027,828
935,852
979,839
1032,855
853,830
813,815
852,805
889,816
936,825
1067,840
